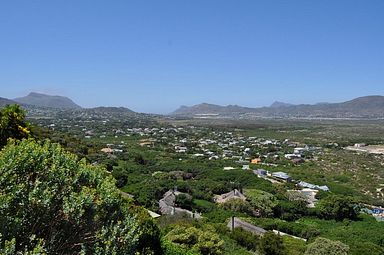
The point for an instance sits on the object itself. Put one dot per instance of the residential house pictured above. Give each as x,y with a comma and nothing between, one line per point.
234,194
256,161
282,176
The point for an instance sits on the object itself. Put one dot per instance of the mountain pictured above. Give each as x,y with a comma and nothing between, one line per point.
362,107
37,99
278,104
5,101
208,109
111,110
371,102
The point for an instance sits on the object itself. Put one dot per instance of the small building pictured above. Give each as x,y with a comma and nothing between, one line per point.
313,186
292,156
282,176
167,205
377,211
107,150
260,173
309,195
245,167
153,214
256,161
227,168
299,150
235,222
234,194
323,188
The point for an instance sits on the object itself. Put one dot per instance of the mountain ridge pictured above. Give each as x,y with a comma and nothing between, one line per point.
361,107
5,101
39,101
43,100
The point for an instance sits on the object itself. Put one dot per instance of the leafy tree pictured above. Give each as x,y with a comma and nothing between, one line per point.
338,208
139,159
271,244
51,202
262,201
324,246
184,201
290,210
12,124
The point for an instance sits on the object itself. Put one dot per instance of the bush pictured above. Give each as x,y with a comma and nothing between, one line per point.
169,248
51,201
12,124
205,241
271,244
245,239
323,246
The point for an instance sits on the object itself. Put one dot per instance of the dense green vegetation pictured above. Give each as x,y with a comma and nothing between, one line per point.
53,203
147,156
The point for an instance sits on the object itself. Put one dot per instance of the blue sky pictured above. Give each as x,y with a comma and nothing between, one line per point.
153,56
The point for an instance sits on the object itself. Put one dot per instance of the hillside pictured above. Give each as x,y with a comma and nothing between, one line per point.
104,109
5,101
362,107
37,99
205,108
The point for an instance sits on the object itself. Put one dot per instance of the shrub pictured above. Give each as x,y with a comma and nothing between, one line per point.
51,201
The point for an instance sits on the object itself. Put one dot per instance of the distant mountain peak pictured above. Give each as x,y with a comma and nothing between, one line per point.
33,94
278,104
39,99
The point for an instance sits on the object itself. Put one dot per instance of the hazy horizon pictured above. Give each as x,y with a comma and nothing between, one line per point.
152,56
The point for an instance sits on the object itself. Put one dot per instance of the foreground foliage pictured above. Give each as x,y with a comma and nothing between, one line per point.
52,203
12,124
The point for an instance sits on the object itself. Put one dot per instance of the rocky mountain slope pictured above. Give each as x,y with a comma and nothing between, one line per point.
37,99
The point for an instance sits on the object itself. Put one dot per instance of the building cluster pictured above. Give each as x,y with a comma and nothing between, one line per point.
204,143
